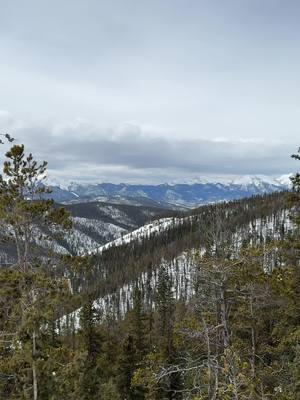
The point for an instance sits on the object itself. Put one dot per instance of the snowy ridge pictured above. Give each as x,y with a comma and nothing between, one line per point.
258,179
183,269
182,193
145,231
238,180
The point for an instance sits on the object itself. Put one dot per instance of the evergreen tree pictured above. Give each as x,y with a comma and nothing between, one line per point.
165,309
165,319
126,368
138,328
90,373
23,211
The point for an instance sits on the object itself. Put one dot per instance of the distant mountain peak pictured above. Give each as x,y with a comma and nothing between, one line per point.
241,180
285,179
191,193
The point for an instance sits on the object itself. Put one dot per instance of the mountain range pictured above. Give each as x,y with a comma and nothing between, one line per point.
105,212
173,195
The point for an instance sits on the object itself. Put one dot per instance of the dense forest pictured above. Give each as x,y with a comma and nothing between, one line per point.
206,309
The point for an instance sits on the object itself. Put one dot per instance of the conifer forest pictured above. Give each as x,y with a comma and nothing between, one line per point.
205,307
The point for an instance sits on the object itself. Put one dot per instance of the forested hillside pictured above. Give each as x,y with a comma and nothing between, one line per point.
97,223
229,226
203,305
93,224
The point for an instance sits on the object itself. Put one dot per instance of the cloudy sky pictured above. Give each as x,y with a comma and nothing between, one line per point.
152,91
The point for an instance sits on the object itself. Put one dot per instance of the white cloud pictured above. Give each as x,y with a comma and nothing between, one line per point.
6,119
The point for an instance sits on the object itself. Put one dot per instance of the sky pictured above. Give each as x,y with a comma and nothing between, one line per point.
152,91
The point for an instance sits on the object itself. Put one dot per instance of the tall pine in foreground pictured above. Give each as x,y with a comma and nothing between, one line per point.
24,212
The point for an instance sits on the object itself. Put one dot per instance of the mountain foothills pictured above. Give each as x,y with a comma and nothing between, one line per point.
144,302
93,224
190,194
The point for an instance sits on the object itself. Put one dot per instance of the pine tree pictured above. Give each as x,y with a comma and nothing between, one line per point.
138,329
166,313
90,374
126,368
294,196
23,211
165,310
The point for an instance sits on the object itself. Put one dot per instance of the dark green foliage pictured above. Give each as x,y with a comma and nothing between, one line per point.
237,337
138,325
165,312
89,371
126,367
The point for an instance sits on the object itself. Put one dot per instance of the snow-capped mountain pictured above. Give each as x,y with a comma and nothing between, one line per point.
171,195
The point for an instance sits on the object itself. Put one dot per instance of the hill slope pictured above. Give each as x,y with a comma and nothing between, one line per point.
94,224
116,268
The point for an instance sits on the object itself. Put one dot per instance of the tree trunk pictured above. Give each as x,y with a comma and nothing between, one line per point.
224,317
34,375
253,347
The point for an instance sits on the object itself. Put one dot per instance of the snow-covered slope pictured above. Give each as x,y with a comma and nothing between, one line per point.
182,269
144,232
94,224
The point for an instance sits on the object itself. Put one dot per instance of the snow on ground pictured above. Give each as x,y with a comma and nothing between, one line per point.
241,180
181,270
116,214
105,229
87,234
145,231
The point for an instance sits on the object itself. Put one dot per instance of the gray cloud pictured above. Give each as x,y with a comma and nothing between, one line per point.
84,151
153,89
